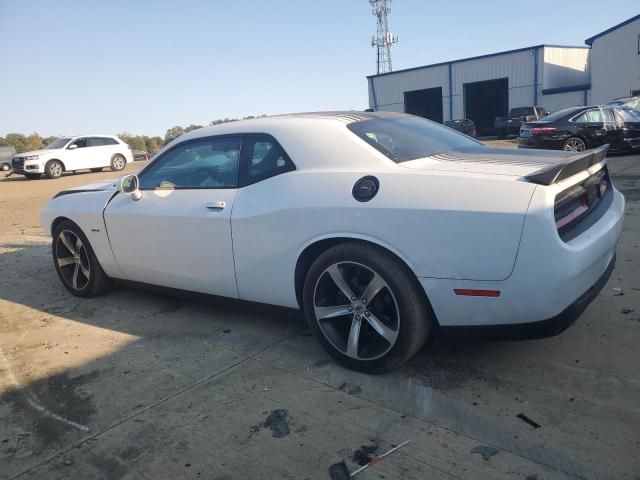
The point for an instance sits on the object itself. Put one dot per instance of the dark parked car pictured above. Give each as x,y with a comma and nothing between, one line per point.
510,124
6,153
579,128
463,125
140,155
627,102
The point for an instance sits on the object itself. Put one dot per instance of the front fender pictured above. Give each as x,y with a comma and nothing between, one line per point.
85,209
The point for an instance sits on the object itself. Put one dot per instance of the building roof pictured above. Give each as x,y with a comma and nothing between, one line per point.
589,41
489,55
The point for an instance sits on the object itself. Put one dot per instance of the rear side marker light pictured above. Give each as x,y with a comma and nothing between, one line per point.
543,131
476,293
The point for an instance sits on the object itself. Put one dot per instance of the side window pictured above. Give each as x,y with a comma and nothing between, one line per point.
608,115
80,143
202,163
591,116
109,141
264,158
95,142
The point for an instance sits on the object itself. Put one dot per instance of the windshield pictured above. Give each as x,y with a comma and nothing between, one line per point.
521,111
404,138
59,143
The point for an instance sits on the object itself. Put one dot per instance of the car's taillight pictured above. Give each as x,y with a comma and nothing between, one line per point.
575,202
543,131
570,205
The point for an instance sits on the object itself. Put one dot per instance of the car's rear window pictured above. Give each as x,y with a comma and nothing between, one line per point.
405,138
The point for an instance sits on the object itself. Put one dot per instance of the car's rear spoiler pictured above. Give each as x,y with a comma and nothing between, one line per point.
572,165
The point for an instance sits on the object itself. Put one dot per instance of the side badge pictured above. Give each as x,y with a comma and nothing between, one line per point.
365,188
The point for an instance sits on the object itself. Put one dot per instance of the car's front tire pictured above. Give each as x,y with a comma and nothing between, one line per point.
53,169
366,307
118,163
76,263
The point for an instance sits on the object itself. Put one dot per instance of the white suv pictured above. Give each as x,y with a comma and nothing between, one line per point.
68,154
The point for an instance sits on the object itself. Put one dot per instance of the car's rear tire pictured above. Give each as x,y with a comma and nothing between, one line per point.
118,163
53,169
76,263
373,334
574,144
95,170
5,167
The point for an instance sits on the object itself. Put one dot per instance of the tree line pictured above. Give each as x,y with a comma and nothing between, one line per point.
27,143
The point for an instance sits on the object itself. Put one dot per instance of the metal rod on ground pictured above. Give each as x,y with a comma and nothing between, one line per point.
377,459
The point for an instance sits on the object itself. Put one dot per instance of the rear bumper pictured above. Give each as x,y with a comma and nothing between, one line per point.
551,283
540,142
540,329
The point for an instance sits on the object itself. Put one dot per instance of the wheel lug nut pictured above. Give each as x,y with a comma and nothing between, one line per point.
358,317
364,300
366,314
350,308
353,299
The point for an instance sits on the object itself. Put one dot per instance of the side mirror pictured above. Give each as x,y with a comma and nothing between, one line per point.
129,185
73,146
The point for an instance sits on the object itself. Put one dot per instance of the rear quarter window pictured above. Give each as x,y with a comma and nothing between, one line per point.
405,138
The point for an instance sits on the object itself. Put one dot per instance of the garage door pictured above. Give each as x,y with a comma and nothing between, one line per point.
484,101
426,103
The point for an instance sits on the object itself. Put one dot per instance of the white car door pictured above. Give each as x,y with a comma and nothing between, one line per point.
77,155
178,234
99,152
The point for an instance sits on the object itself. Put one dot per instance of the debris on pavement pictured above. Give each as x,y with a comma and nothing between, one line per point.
486,451
362,456
339,471
278,422
526,419
350,388
617,292
626,311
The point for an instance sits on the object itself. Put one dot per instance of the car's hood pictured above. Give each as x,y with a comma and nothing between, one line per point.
98,186
494,161
34,152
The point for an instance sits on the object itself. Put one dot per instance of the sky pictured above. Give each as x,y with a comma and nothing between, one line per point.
98,66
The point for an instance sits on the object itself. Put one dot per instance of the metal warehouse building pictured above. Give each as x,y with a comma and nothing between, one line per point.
482,88
615,62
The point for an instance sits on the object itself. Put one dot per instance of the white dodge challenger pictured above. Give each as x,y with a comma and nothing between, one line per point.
380,226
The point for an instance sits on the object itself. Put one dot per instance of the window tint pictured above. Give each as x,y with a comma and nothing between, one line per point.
80,142
265,158
207,163
591,116
95,142
407,138
608,115
109,141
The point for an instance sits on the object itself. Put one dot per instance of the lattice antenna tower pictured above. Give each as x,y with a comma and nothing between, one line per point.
384,38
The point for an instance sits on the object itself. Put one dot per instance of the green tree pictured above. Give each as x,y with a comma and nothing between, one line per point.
154,143
223,120
173,133
3,142
17,141
137,143
33,142
192,127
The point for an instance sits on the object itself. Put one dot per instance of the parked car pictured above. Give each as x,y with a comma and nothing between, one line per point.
140,155
510,124
463,125
69,154
628,102
380,226
579,128
6,154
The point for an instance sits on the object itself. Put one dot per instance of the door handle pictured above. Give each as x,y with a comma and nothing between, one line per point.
215,206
